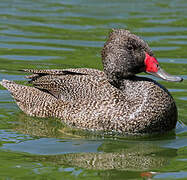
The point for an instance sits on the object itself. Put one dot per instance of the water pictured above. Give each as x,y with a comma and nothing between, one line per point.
71,33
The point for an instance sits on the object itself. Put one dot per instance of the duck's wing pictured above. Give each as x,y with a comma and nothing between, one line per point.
68,84
79,71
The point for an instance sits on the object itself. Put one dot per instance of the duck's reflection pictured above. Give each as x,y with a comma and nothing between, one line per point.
137,158
121,154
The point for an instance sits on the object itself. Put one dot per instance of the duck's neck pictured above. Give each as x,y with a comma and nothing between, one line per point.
119,82
116,83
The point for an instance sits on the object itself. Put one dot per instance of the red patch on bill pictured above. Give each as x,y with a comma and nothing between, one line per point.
151,63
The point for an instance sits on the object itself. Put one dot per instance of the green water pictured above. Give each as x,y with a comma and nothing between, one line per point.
70,33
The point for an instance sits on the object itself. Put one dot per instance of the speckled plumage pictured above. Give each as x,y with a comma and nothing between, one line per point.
114,100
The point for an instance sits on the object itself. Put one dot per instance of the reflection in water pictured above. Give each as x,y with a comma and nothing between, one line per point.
136,158
38,127
117,154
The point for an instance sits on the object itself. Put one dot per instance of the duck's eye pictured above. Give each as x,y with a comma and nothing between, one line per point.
130,48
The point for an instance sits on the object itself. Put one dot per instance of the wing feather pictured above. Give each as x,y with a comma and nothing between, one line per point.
66,84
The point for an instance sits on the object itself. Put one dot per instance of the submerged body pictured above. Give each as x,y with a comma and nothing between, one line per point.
95,100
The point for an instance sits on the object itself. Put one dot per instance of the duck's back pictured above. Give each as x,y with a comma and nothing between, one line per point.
73,85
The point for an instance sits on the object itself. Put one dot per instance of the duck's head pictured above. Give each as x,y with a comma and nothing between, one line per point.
125,54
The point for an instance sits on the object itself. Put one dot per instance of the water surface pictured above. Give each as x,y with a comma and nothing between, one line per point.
71,33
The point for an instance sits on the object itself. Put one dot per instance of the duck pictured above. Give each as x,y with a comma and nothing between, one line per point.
114,100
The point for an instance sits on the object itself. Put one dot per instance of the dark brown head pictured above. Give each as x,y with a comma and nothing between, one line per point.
125,54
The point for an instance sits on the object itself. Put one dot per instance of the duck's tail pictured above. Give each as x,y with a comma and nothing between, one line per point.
31,100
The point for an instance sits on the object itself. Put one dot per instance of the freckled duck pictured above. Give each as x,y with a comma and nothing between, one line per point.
115,100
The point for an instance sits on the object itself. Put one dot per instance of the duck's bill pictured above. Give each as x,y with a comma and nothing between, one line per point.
165,76
152,67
